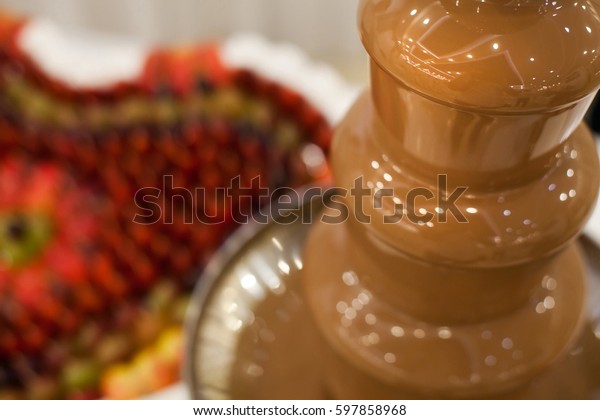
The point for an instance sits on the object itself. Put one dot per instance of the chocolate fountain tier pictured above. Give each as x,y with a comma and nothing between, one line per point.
510,216
509,55
251,336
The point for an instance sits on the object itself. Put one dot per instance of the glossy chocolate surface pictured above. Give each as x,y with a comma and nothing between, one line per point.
489,94
500,55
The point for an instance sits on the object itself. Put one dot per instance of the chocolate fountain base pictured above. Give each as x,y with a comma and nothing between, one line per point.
250,336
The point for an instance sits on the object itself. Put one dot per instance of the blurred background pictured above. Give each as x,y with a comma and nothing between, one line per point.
324,29
91,302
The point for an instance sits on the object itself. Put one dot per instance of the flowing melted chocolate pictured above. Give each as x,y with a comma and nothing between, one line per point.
490,95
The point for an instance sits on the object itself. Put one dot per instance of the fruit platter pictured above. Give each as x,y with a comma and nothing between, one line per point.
92,298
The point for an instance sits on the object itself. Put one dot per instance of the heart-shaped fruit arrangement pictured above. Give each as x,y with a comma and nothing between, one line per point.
91,302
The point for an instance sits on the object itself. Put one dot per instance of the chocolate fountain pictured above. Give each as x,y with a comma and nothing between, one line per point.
457,273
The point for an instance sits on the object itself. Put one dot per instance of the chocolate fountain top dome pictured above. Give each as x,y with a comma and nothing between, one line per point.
499,55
